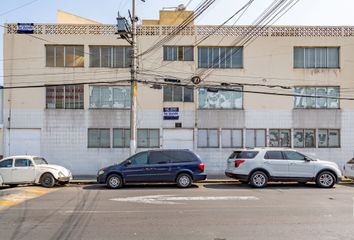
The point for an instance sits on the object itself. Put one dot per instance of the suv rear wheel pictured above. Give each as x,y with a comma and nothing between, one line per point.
184,180
259,179
325,179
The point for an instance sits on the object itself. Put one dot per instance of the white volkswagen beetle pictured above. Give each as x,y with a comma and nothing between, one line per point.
16,170
348,169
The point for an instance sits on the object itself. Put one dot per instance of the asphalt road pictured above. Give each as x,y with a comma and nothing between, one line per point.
212,211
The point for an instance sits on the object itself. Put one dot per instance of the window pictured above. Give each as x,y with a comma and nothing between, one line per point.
182,156
159,157
316,97
23,163
68,97
6,163
220,57
121,138
328,138
178,94
208,138
274,155
316,57
304,138
99,138
64,56
243,154
219,99
109,97
231,138
279,138
148,138
110,56
139,159
178,53
255,138
291,155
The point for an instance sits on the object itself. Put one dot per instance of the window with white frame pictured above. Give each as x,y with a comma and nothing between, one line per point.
255,138
121,138
148,138
68,97
178,94
328,138
220,99
110,56
316,57
208,138
220,57
110,97
231,138
279,138
99,138
304,138
178,53
316,97
64,56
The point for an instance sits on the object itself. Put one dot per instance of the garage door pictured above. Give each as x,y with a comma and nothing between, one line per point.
25,142
177,139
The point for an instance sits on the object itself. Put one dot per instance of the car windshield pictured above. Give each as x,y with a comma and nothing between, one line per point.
40,161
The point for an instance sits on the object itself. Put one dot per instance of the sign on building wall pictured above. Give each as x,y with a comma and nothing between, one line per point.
26,28
170,113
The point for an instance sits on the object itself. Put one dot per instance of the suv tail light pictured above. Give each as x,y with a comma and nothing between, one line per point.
201,166
238,162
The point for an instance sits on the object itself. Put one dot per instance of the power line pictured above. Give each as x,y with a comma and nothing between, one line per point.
16,8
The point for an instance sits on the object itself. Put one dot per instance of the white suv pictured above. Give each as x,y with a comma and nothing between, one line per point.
260,165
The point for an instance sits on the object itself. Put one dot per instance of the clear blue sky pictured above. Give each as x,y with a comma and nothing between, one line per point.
306,12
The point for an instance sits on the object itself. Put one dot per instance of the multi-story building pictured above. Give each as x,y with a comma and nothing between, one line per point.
291,86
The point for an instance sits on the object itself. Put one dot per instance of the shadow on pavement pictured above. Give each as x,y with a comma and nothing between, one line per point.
136,187
277,186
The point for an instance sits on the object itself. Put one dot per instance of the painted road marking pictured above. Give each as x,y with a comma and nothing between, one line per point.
21,196
171,199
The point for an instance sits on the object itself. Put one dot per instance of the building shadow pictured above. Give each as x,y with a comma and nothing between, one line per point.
138,187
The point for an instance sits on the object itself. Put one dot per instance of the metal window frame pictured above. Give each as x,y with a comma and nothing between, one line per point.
314,47
303,133
124,138
208,137
279,132
339,137
100,145
149,138
231,137
315,87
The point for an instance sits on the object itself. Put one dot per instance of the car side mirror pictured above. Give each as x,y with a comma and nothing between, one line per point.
127,163
307,159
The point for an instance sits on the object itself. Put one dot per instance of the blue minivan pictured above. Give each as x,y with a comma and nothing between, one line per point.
179,166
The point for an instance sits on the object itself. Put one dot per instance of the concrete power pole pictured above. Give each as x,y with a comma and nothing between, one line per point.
133,84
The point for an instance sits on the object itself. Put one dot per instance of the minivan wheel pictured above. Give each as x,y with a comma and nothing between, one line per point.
47,180
325,180
259,179
184,180
114,181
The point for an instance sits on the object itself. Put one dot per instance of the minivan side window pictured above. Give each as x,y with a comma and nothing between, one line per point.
294,155
140,159
158,157
6,163
182,156
274,155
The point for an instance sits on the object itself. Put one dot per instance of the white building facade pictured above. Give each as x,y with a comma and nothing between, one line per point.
67,94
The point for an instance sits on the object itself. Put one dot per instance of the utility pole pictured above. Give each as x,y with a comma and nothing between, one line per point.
133,84
127,32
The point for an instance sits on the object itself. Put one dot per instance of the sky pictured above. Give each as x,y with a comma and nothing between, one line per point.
305,12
